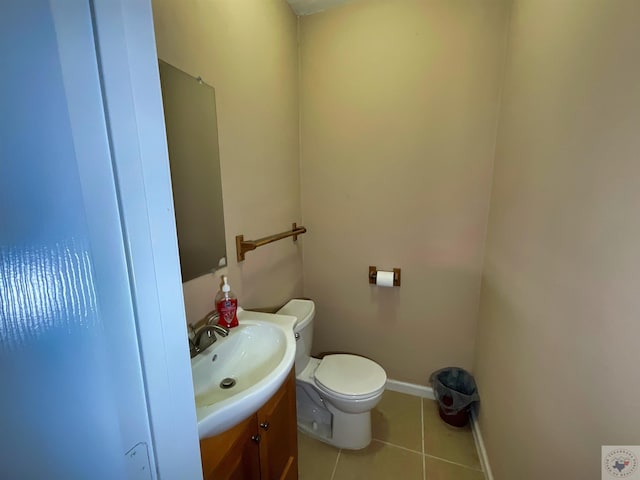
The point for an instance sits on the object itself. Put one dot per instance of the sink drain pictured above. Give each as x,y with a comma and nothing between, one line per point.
227,382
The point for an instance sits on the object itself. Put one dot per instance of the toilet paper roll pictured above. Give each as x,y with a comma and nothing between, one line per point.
384,279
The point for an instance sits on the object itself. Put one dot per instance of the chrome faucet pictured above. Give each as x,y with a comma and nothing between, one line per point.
212,317
210,329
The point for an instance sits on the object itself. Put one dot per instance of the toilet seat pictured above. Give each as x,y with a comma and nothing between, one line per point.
350,376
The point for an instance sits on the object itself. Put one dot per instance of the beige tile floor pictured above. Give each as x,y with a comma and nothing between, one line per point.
410,442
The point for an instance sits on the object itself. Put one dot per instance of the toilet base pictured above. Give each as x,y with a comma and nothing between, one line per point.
352,432
321,420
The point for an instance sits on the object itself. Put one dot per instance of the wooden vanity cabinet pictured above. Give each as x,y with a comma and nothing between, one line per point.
233,454
264,446
279,435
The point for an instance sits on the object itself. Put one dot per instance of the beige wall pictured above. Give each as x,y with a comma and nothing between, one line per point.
557,354
399,105
247,50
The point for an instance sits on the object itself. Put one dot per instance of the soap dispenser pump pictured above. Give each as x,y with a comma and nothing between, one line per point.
227,305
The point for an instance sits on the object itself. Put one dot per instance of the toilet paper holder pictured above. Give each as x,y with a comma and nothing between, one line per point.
373,273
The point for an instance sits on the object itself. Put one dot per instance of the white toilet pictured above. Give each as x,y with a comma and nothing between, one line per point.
335,394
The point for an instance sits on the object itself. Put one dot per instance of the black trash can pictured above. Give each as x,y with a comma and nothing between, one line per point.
455,391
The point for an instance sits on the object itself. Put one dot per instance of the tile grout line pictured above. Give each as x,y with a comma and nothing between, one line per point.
335,466
454,463
424,465
395,446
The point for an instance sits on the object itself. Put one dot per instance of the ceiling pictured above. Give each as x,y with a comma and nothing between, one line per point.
307,7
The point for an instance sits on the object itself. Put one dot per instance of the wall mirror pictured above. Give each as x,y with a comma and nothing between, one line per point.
192,138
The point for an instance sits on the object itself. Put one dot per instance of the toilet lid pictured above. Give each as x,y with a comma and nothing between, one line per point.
350,374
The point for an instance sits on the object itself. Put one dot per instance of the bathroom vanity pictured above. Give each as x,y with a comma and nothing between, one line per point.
264,446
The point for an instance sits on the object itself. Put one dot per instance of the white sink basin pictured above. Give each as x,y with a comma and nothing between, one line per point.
257,356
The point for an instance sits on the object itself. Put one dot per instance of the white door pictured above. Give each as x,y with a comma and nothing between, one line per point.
73,403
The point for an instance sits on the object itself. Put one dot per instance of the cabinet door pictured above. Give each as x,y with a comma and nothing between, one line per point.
278,431
234,454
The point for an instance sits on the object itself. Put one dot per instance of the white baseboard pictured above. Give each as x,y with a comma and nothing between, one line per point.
482,451
410,389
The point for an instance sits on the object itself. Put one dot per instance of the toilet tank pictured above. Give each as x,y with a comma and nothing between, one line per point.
304,311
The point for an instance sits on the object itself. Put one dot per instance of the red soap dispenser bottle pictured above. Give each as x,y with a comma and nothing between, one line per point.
226,305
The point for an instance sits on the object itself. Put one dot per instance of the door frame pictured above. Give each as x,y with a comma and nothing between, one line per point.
125,44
